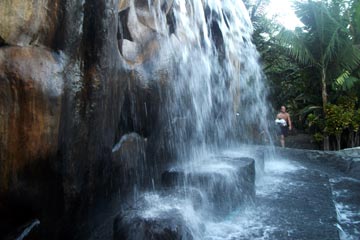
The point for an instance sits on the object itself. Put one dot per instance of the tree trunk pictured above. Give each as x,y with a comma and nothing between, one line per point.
352,138
324,102
326,143
338,141
323,88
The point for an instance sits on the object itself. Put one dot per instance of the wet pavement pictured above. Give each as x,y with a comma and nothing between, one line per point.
292,202
346,195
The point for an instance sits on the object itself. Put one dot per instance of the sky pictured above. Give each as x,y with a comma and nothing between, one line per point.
284,13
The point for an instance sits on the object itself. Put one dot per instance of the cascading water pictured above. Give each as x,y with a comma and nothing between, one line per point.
217,90
215,97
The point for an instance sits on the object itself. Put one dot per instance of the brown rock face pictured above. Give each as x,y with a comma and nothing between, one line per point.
28,22
31,88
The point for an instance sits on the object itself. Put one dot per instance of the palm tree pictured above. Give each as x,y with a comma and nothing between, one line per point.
324,43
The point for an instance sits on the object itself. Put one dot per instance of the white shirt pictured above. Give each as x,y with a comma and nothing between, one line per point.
281,121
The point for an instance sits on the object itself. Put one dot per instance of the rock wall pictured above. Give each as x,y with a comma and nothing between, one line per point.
82,98
70,90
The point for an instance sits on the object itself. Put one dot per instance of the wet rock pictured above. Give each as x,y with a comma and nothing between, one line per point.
130,170
139,32
299,206
168,225
91,111
227,182
123,4
60,123
31,93
301,140
173,177
130,50
144,112
334,162
31,87
346,196
259,157
32,22
146,13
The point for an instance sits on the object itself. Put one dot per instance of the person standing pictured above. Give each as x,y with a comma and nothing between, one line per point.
284,124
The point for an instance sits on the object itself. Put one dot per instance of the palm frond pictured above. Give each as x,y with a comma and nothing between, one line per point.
330,50
341,79
295,46
350,57
309,109
345,81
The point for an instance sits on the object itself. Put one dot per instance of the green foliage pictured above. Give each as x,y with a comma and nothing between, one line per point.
313,120
322,56
348,102
337,118
324,44
355,123
318,137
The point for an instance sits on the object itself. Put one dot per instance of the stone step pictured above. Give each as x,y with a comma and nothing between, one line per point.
225,182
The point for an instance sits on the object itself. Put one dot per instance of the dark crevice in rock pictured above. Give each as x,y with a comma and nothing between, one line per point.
129,167
212,20
141,108
14,213
28,230
133,117
2,42
142,4
171,21
68,33
123,32
126,124
211,15
217,37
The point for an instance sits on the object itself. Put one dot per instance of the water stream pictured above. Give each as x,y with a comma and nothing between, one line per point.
217,92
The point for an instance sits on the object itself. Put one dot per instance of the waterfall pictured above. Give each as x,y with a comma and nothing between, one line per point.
201,53
215,96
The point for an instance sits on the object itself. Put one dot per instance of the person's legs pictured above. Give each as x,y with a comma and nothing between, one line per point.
284,131
282,140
